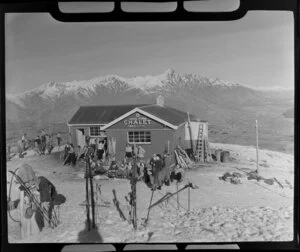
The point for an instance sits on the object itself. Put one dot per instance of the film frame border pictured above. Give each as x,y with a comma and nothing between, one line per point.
117,15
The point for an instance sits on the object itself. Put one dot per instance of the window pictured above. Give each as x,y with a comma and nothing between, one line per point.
139,137
95,131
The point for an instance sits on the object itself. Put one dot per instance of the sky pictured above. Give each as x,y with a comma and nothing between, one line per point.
255,51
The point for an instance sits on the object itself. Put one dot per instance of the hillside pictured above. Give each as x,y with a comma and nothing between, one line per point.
230,108
220,211
289,113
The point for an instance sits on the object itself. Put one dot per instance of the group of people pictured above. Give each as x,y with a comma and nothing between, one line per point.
96,148
158,171
132,151
98,145
162,170
44,142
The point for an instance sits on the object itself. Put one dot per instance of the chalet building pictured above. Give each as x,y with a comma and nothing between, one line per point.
155,127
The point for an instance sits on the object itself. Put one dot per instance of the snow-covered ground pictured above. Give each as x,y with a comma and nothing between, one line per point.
219,210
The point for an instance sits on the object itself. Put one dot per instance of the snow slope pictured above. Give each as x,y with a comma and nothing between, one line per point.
220,211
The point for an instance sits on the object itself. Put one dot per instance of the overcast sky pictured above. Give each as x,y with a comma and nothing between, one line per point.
257,50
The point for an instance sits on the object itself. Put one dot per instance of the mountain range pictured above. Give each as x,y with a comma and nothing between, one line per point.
222,103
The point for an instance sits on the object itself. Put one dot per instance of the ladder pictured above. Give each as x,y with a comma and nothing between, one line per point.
207,152
199,154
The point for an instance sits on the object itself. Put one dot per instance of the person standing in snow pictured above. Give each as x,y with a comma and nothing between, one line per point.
100,150
158,166
50,144
24,142
71,157
37,145
128,152
58,138
140,152
43,141
93,143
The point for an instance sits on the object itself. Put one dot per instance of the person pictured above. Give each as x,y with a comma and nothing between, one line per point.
100,150
37,145
164,175
58,138
50,144
141,152
177,174
153,171
128,169
43,141
81,152
87,140
99,168
93,143
113,166
24,141
140,169
66,151
20,149
47,143
128,152
39,193
71,157
148,176
158,165
134,150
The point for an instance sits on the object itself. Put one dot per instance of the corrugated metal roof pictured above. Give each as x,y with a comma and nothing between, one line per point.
100,114
171,115
106,114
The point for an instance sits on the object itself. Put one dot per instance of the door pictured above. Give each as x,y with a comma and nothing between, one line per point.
80,137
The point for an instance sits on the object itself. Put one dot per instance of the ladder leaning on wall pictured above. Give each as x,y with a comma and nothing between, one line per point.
202,150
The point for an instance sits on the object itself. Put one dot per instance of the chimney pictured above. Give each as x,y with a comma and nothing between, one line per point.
160,100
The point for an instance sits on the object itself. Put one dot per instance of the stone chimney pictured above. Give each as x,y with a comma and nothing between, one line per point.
160,100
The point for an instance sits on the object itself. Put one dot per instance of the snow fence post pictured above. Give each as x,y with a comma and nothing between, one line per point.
256,127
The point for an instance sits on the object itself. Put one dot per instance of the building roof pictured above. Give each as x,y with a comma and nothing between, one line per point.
170,115
107,114
100,114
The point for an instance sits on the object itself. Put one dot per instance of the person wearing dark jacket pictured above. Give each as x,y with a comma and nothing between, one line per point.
158,164
66,151
71,157
164,176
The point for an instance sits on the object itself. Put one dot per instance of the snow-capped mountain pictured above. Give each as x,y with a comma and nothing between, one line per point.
88,88
210,99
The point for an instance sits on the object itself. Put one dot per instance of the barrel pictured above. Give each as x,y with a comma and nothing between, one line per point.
225,156
218,155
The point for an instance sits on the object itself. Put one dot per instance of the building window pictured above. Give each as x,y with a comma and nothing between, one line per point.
95,131
139,137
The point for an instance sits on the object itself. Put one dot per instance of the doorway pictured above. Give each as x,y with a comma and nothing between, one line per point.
80,137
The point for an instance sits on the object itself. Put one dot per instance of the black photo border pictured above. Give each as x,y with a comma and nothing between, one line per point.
117,15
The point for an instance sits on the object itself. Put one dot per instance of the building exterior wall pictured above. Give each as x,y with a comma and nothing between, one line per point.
73,129
138,121
179,137
160,134
159,140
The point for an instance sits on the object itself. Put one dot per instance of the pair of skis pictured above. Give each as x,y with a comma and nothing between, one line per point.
52,221
133,216
89,192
